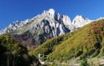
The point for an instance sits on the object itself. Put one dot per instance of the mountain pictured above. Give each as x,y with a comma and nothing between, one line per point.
59,23
44,26
86,42
55,20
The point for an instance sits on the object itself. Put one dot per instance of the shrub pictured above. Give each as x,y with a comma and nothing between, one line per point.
84,62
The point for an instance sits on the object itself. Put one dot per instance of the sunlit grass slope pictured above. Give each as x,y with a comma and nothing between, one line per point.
87,41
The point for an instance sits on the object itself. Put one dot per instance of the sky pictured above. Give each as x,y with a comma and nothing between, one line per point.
12,10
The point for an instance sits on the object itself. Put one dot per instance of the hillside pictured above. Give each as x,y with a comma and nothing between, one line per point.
86,42
48,46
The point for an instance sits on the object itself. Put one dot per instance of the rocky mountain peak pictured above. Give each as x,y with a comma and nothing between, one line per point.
80,21
51,11
78,18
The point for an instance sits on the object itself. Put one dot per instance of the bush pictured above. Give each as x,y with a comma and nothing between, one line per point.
84,62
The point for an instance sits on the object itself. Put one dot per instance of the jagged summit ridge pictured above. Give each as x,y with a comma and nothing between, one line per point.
49,15
52,17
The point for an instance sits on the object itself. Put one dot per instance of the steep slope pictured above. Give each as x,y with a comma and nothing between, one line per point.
87,42
48,46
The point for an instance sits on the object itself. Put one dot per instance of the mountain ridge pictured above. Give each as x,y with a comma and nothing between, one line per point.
66,19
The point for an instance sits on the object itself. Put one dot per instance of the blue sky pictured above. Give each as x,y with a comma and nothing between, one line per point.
12,10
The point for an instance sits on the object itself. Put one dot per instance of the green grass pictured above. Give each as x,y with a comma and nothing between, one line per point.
49,46
87,42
